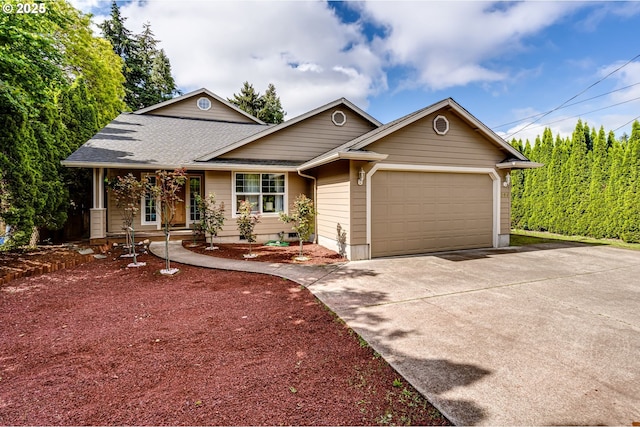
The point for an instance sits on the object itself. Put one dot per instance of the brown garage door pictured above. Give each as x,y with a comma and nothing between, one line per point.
418,212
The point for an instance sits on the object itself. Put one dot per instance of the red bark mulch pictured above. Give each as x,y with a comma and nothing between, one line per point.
282,254
101,344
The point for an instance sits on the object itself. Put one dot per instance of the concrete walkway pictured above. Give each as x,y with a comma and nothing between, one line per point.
302,274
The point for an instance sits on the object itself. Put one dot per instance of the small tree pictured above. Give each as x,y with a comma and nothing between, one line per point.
167,186
211,216
246,223
302,219
128,191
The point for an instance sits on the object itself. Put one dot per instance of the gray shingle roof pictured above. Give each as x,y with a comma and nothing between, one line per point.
156,141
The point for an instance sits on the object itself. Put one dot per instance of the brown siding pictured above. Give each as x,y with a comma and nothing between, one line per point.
419,144
358,200
189,108
333,201
305,140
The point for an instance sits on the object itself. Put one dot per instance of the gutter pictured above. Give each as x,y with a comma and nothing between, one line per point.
369,156
519,164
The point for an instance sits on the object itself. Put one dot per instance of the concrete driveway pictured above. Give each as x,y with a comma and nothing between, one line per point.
539,335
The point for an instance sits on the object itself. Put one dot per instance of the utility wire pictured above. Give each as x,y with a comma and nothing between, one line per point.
589,112
566,106
575,96
629,122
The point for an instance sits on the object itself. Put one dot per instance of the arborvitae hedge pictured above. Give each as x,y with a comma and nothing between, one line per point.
588,185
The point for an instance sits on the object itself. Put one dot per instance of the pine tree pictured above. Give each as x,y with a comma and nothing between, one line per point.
271,111
266,107
248,100
147,70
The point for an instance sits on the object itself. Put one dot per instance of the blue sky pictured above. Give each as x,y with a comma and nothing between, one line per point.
505,62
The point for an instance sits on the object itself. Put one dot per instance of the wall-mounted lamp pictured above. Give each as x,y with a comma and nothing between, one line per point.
361,176
507,181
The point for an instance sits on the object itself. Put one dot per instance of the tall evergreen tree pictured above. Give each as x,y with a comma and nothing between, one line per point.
147,70
271,111
248,100
265,107
631,200
590,184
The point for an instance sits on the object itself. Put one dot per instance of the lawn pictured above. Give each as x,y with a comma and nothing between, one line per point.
527,237
101,344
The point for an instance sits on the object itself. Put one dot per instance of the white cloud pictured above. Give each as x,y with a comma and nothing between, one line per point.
453,43
300,47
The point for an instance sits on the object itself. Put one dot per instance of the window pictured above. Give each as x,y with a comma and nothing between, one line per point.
204,103
265,191
149,205
195,185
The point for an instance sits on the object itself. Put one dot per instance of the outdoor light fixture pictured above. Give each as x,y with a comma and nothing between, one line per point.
361,175
507,181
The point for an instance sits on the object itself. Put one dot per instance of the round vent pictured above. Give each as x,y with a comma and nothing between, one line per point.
339,118
441,125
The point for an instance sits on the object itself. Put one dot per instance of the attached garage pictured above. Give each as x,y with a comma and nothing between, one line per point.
416,212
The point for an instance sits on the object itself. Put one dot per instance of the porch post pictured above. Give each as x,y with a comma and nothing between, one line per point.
98,213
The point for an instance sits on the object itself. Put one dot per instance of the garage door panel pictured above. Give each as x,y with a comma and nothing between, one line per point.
418,212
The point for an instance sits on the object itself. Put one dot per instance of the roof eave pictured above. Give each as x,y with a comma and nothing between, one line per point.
519,164
449,102
369,156
277,128
194,93
198,166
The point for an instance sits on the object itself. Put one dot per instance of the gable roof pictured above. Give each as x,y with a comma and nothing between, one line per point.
157,142
356,145
272,129
193,94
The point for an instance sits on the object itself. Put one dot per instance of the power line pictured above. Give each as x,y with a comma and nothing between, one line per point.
566,106
629,122
589,112
575,96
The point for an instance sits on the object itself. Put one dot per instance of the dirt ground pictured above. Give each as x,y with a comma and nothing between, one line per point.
101,344
287,254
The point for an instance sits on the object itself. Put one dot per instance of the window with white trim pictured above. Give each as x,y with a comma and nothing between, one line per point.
195,190
149,204
266,191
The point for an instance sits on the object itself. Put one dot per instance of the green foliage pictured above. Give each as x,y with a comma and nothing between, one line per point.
211,215
265,107
58,86
588,186
302,218
146,68
247,221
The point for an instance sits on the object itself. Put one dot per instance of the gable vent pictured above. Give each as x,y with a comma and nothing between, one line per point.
441,125
339,118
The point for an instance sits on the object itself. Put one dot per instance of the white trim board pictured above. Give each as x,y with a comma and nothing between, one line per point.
437,169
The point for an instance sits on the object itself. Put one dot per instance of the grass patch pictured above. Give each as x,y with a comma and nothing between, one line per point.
526,237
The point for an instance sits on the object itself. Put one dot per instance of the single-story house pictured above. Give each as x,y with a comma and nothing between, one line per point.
434,180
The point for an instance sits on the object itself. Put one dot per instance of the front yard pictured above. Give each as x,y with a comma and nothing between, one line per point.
102,344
